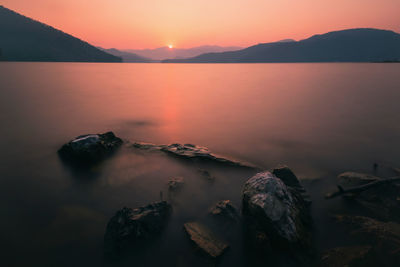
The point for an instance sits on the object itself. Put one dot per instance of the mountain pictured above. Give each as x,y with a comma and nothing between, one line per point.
126,56
24,39
162,53
353,45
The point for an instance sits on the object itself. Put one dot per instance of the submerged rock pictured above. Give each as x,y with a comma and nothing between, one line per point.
129,226
349,179
90,148
206,240
384,237
276,212
175,184
382,200
206,174
191,152
224,209
356,256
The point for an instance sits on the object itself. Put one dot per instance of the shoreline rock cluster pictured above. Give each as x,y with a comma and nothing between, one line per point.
379,233
273,207
275,212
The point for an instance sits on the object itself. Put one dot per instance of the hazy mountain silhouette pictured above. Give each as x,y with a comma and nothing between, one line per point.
126,56
166,52
353,45
24,39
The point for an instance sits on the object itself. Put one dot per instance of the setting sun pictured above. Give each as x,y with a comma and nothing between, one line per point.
170,46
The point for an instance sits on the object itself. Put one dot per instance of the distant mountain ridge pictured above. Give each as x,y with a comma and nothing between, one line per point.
165,52
352,45
126,56
24,39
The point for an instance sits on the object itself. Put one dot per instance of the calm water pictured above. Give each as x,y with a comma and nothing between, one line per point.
320,119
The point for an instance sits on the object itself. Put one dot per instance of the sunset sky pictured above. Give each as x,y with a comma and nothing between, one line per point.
183,23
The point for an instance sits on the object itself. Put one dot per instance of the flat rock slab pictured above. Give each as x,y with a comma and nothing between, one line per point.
349,179
192,152
205,239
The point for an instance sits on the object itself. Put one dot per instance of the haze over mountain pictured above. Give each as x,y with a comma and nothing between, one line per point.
24,39
168,53
127,56
352,45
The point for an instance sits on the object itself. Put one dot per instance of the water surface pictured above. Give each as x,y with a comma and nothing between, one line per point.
320,119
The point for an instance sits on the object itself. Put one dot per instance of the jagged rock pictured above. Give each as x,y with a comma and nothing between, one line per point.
350,179
204,239
287,176
356,256
290,179
175,184
276,211
384,237
191,152
129,226
90,148
224,209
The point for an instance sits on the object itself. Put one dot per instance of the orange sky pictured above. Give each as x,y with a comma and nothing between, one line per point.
186,23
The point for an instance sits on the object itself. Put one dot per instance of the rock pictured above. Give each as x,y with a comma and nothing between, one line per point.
382,200
224,209
204,239
356,256
384,237
277,211
130,226
287,176
350,179
290,179
174,184
206,174
89,149
191,152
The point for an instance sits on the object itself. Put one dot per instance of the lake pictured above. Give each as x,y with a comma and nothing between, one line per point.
319,119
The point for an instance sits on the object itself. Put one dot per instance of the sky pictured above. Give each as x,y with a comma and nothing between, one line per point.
136,24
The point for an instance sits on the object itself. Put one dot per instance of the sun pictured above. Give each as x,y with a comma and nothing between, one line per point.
170,46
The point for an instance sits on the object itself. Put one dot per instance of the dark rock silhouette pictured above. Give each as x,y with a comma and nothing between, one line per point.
134,226
353,45
24,39
276,217
287,176
89,149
